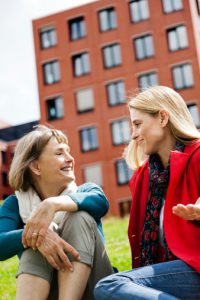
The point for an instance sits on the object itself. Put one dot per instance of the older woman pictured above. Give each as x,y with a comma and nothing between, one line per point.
63,229
164,229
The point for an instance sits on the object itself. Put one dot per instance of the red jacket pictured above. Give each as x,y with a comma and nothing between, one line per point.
183,237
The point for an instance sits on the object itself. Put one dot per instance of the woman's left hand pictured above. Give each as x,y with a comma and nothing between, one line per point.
190,212
37,225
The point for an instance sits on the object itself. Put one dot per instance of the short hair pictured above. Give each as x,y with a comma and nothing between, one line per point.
151,101
29,148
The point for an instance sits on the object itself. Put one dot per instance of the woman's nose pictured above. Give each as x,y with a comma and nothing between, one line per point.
134,135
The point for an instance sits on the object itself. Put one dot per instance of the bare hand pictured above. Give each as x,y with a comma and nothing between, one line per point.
54,249
37,225
190,212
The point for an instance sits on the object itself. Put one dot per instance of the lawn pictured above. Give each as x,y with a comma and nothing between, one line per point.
117,245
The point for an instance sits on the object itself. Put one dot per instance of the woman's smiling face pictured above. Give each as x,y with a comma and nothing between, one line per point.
56,164
147,131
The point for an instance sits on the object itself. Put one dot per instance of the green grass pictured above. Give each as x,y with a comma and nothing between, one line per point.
117,246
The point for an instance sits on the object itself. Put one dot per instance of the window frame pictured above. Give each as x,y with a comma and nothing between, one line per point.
109,10
88,129
51,65
79,21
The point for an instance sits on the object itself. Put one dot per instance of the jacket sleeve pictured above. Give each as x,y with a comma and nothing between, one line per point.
11,228
91,198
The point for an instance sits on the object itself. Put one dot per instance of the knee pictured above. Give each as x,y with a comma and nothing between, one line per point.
78,223
104,287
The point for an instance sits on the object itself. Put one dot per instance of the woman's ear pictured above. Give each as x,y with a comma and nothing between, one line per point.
34,167
164,117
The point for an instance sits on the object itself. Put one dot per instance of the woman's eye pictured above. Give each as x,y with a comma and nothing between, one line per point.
59,153
137,125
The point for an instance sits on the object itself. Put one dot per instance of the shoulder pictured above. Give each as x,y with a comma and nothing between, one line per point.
89,186
10,203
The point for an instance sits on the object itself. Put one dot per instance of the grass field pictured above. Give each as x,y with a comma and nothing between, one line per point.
117,245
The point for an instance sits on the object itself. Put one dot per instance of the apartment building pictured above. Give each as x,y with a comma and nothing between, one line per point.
91,57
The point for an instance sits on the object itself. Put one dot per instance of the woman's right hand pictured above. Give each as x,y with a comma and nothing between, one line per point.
54,249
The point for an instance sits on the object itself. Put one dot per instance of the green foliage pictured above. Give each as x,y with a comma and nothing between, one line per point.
117,246
8,271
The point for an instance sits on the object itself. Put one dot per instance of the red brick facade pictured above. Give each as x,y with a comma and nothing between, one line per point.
155,42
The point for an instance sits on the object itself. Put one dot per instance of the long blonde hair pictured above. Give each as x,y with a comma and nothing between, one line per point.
27,150
151,101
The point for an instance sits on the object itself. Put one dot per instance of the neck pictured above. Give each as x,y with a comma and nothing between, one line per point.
47,192
167,147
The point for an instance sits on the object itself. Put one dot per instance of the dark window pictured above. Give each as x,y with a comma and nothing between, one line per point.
172,5
123,172
107,19
89,139
4,158
112,56
4,179
124,208
182,76
81,64
51,72
139,10
148,79
55,109
116,93
177,38
120,131
48,38
144,47
194,111
77,28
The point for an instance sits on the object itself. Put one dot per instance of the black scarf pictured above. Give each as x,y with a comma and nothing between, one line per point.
159,180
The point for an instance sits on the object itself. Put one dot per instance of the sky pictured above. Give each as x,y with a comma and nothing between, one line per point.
19,100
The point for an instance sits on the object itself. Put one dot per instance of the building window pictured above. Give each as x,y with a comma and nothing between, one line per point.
177,38
123,172
107,19
148,79
193,108
124,207
51,72
93,173
3,157
85,100
144,47
120,132
77,28
182,76
48,38
139,10
112,56
89,139
55,108
116,93
81,64
4,179
172,5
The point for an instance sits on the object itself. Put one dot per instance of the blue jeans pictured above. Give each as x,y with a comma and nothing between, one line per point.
164,281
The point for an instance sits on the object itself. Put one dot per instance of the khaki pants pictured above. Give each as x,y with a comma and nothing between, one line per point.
78,229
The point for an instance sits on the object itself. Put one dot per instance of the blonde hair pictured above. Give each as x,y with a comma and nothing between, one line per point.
27,150
151,101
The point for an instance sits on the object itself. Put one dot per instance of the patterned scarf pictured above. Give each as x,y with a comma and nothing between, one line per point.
159,180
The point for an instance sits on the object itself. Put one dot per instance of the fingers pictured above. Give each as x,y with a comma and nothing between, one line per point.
72,250
188,212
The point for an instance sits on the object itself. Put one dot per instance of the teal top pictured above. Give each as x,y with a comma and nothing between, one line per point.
89,197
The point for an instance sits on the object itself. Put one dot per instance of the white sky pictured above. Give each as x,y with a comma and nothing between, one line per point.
19,101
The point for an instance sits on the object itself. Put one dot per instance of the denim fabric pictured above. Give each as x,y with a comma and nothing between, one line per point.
164,281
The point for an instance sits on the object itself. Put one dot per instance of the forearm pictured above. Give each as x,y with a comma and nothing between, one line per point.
62,203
